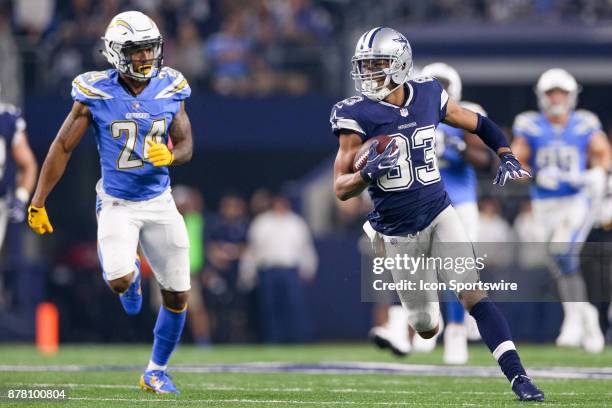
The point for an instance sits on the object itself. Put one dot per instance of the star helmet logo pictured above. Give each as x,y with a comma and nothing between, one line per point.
136,105
401,40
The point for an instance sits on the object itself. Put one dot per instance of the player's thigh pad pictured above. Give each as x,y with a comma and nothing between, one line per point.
575,220
569,222
452,249
468,214
165,242
118,230
421,302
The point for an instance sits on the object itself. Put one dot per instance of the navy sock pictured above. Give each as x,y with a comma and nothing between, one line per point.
495,333
167,333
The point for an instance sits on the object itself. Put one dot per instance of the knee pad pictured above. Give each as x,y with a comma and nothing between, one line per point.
425,317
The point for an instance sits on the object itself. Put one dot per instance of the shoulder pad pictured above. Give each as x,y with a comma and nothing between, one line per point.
588,122
526,124
423,78
15,116
10,109
173,85
474,107
344,115
430,85
85,86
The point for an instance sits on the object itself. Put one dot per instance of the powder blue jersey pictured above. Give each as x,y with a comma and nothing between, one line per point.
458,175
11,125
562,147
123,123
412,194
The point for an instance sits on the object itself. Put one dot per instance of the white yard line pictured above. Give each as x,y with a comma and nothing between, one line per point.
335,368
262,401
215,387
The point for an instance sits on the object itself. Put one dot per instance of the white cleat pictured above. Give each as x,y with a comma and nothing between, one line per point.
455,344
473,334
421,345
387,339
593,340
571,329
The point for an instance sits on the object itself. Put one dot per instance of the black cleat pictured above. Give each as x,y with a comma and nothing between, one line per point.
525,389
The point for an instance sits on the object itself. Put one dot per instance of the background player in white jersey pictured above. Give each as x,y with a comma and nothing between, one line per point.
569,153
412,212
132,108
18,167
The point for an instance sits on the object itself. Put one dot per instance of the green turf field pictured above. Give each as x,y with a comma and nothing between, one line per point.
317,375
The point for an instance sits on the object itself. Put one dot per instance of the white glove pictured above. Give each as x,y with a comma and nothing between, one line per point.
548,177
593,181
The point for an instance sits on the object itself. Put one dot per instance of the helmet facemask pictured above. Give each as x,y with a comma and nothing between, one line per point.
560,108
374,75
148,68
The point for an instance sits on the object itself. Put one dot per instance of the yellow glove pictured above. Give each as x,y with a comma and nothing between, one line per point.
159,154
38,220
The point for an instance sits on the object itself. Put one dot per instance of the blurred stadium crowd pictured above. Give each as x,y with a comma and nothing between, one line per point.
245,49
236,47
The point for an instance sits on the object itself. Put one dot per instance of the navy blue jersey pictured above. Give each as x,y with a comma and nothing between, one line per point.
11,125
412,194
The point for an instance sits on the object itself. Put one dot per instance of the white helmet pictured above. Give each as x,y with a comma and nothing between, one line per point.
448,77
130,31
561,79
381,43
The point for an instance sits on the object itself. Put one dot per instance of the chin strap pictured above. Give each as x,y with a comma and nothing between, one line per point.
382,94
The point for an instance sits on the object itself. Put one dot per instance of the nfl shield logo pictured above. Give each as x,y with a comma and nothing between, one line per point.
135,105
404,112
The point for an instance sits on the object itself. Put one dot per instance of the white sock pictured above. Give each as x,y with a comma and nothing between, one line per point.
153,366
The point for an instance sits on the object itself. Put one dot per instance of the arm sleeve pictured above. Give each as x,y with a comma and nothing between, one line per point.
490,133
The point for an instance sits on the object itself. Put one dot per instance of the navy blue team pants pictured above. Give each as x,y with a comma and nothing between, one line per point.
281,305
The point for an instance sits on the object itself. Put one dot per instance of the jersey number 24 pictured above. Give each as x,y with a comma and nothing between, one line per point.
402,176
127,158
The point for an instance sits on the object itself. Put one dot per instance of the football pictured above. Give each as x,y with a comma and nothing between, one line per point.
361,157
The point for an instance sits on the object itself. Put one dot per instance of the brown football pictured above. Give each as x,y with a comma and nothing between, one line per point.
361,157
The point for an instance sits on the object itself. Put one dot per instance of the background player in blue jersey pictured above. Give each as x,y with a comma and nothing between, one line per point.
458,152
18,167
412,213
132,109
569,153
